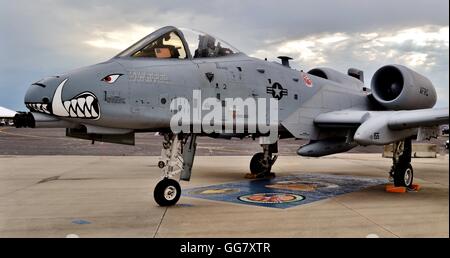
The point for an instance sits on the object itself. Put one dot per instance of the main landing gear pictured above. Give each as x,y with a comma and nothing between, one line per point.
262,162
177,157
402,172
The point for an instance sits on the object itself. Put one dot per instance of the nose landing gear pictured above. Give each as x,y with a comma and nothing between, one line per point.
177,157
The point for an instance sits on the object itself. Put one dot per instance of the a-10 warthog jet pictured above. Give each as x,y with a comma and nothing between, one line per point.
185,84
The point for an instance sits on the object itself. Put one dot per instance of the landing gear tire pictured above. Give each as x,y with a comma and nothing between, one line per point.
167,192
260,168
402,171
403,176
257,164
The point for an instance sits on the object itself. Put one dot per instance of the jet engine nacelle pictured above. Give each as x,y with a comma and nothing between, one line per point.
336,76
397,87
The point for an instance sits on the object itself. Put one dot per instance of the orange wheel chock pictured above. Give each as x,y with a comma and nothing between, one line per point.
390,188
415,188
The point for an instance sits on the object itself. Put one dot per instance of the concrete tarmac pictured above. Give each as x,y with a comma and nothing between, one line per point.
52,141
112,196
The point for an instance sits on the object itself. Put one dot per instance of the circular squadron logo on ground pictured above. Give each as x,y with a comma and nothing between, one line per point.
271,198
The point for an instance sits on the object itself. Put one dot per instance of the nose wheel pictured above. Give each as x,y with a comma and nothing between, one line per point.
167,192
177,157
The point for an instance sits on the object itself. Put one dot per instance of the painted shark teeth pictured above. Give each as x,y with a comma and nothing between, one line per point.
67,105
81,102
89,100
82,106
38,107
72,113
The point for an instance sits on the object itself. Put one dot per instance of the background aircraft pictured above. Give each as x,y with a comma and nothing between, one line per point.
133,92
6,116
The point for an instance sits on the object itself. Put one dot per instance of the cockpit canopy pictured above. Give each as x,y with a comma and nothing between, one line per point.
170,42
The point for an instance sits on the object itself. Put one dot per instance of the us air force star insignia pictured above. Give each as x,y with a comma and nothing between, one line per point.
277,91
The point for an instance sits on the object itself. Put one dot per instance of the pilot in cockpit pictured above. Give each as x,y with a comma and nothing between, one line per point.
162,47
171,45
165,48
206,46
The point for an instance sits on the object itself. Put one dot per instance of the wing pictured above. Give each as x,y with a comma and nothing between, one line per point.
418,118
383,127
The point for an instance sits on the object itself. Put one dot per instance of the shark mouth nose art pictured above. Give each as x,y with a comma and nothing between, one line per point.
84,105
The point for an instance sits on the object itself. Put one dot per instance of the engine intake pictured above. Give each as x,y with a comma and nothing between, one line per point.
397,87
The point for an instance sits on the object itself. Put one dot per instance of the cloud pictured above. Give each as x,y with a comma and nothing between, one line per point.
413,46
312,49
118,39
420,36
424,49
46,37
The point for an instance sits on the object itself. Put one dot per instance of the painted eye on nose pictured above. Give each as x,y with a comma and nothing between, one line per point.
112,78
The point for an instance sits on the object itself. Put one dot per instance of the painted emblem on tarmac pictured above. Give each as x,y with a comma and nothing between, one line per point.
218,191
285,191
271,198
305,186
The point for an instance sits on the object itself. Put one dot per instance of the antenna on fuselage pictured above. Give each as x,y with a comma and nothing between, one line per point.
285,60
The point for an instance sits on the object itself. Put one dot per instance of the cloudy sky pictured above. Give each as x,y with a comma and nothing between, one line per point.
43,38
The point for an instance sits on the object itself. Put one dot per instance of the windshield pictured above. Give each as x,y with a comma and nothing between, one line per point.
139,45
167,46
168,42
203,45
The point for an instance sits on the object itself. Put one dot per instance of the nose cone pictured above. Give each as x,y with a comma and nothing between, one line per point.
73,94
39,95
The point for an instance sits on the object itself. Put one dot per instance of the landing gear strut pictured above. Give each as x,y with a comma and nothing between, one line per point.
402,171
262,162
177,157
